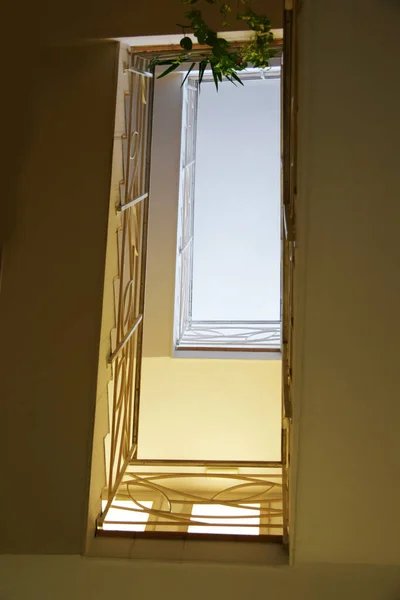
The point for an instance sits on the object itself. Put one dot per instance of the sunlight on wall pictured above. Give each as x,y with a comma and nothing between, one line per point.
210,409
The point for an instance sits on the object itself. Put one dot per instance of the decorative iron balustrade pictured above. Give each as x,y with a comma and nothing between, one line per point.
131,224
164,498
231,335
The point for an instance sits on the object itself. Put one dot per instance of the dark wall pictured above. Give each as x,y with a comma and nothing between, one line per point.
50,302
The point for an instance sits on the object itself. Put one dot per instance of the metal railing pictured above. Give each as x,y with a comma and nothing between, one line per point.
160,496
233,335
126,337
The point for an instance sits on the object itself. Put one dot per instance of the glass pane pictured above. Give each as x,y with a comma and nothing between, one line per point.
236,268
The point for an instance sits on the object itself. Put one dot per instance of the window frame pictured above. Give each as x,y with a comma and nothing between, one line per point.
208,338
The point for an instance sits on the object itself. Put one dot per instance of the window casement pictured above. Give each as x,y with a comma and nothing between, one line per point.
186,496
228,251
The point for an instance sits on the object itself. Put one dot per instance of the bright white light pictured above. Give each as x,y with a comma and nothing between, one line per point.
218,513
135,514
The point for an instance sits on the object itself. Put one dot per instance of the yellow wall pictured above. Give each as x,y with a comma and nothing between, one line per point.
210,409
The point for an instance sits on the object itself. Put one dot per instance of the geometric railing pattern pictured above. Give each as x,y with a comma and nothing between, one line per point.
132,220
163,501
262,335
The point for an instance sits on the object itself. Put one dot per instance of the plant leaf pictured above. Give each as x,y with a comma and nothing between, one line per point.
215,76
231,80
188,73
211,38
203,66
237,78
186,43
225,9
174,66
201,37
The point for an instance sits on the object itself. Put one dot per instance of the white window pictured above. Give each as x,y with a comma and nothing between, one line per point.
228,280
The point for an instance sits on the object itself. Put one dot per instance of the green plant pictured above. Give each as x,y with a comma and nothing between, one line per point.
224,59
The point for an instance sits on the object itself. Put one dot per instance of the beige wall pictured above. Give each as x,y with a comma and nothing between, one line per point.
232,411
346,368
117,18
72,577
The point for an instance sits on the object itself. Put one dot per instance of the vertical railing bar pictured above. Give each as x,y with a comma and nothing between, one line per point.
143,149
113,443
119,327
141,111
132,318
122,421
133,179
139,347
112,493
117,432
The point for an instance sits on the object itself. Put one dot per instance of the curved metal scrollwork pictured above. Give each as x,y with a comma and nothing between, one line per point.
132,217
167,499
